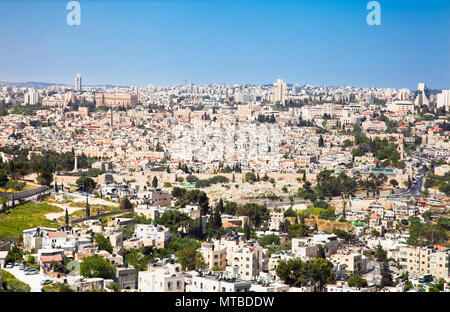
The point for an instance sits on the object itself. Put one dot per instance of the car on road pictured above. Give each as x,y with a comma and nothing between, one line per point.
31,272
46,282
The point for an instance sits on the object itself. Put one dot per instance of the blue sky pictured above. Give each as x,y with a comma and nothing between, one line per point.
165,42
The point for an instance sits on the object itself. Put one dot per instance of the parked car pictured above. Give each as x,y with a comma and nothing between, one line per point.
31,272
46,282
21,266
9,265
17,263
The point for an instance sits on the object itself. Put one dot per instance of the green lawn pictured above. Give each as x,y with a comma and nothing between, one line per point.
3,200
29,215
12,284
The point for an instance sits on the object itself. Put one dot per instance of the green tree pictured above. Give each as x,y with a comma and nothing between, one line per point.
221,206
298,230
67,217
385,272
321,252
250,177
96,266
290,213
86,184
155,182
270,239
88,209
102,243
230,208
375,233
137,258
115,287
246,231
14,254
297,273
215,220
192,178
3,178
125,203
321,141
256,213
393,182
356,280
190,258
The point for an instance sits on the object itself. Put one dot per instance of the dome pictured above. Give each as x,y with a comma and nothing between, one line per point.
171,120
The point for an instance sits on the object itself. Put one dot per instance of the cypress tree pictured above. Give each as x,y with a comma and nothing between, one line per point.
88,209
67,217
220,205
247,231
155,182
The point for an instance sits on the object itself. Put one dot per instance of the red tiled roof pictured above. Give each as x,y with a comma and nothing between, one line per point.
57,258
57,234
227,224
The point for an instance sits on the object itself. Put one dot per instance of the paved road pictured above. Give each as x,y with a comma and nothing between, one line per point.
33,280
77,197
416,189
56,215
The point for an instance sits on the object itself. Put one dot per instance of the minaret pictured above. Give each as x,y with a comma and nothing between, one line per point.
110,117
75,167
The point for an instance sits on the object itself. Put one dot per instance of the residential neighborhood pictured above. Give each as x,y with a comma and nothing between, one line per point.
220,188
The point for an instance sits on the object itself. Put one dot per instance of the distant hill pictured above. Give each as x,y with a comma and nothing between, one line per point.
31,84
43,85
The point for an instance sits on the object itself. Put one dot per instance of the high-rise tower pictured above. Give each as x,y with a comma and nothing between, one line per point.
279,92
78,85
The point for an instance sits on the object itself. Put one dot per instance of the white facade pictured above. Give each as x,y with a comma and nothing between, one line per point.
279,91
31,98
78,85
152,232
443,99
166,279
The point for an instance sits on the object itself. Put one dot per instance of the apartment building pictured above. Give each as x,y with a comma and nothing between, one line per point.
221,282
115,99
425,260
155,197
355,263
156,235
341,286
214,254
275,220
401,107
126,277
307,247
250,261
162,279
